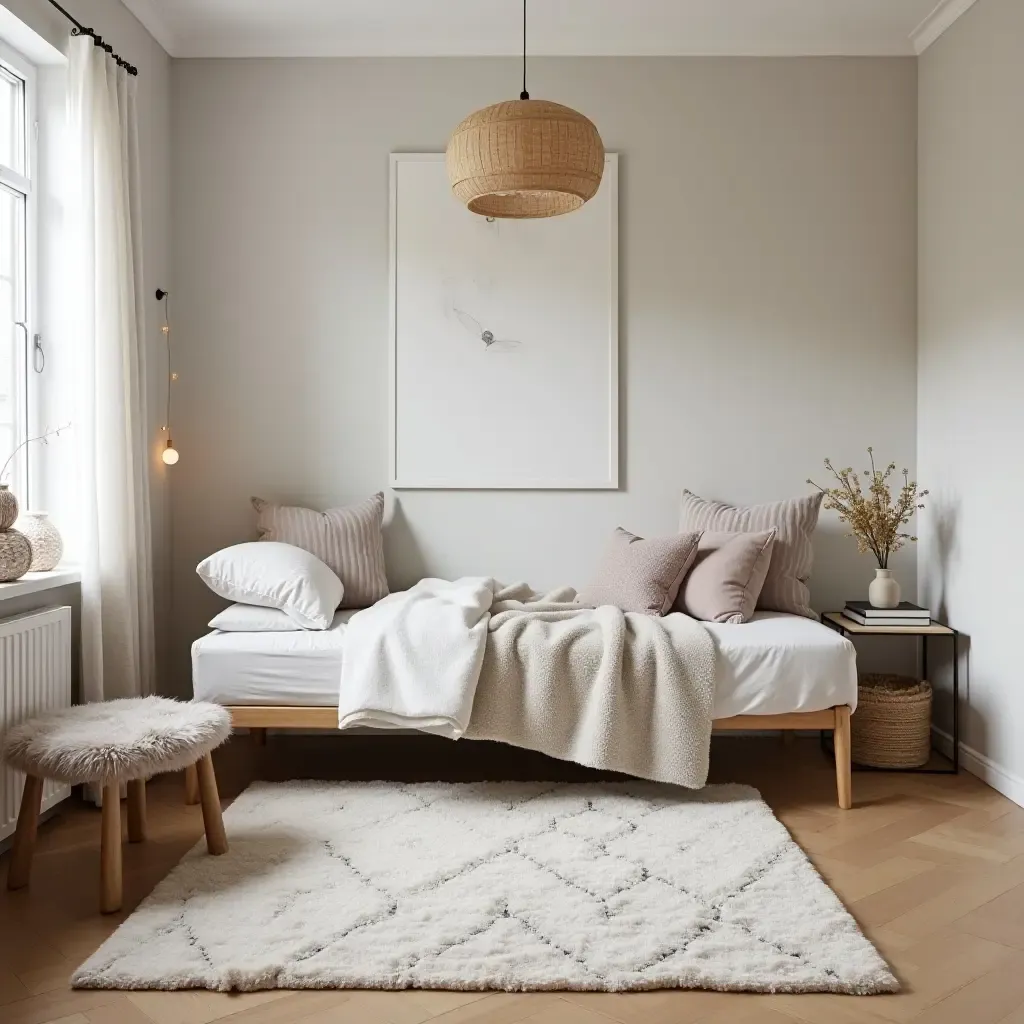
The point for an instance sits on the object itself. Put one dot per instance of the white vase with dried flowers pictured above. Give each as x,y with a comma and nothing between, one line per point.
876,519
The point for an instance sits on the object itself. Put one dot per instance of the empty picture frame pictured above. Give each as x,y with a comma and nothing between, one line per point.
504,362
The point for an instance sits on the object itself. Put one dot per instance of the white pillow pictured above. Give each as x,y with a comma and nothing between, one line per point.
248,618
273,575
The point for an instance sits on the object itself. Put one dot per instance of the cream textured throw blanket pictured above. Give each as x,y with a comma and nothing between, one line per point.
616,690
620,691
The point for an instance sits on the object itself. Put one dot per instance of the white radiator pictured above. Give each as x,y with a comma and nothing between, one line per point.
35,676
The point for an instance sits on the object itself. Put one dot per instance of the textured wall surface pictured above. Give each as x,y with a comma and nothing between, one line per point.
768,235
971,366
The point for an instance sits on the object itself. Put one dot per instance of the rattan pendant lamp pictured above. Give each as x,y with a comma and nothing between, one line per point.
525,158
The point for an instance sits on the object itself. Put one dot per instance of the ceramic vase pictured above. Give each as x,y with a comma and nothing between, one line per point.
46,541
884,591
15,555
8,507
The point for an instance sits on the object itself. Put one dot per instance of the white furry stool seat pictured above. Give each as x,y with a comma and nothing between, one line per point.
119,741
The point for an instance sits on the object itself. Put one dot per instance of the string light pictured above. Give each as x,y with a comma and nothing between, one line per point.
170,453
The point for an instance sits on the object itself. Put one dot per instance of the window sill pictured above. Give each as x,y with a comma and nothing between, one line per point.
36,582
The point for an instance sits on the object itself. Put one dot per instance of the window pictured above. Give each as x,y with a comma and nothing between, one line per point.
16,220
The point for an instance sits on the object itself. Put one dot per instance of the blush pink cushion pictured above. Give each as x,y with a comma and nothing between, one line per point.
727,576
640,575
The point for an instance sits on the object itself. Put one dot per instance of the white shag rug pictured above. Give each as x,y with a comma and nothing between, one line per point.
514,886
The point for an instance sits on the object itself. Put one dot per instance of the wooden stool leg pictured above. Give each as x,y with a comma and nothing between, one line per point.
137,811
191,785
216,838
25,837
110,848
259,737
844,765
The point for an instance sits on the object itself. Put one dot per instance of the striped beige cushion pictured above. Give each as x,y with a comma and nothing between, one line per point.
785,587
350,540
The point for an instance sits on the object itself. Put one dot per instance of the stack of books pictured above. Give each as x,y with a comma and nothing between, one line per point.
904,614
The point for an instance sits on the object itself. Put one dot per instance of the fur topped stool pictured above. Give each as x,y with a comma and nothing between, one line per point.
110,743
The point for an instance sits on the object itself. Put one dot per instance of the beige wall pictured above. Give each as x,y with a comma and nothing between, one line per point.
971,366
768,268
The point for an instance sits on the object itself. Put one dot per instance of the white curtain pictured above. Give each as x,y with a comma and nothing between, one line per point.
107,328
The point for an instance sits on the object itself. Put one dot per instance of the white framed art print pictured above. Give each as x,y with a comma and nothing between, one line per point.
504,363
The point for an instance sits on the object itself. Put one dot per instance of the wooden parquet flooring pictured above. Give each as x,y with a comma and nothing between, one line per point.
932,867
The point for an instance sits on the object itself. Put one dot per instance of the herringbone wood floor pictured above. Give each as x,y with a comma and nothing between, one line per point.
932,868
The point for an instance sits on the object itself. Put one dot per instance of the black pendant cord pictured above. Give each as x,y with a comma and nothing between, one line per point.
79,29
524,95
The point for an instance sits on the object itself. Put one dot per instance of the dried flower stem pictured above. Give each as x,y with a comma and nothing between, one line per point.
44,437
875,518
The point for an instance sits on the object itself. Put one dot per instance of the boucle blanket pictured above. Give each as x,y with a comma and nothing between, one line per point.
610,689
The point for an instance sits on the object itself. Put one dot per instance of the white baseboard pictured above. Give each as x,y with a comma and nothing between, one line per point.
992,774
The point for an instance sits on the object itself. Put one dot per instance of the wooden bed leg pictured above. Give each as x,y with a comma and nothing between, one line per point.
191,785
259,737
844,768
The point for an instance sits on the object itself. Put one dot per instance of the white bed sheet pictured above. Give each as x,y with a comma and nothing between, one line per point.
774,664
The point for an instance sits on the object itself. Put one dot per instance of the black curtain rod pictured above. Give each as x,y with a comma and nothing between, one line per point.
79,29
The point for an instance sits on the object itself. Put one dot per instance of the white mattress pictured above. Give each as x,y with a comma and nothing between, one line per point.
776,663
772,665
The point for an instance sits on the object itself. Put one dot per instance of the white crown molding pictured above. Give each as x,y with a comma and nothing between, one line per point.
329,47
944,15
355,28
148,12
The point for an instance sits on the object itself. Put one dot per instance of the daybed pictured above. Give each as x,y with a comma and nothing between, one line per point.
776,672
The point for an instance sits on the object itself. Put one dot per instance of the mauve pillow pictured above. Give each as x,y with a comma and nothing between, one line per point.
640,575
727,576
785,587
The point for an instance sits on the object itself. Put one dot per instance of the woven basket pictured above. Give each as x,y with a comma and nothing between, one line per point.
893,723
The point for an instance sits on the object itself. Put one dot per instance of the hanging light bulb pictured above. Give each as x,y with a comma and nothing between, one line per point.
170,453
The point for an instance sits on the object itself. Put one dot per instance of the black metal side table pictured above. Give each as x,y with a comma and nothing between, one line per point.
850,629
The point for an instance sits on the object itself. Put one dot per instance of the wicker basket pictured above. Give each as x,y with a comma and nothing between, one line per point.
893,723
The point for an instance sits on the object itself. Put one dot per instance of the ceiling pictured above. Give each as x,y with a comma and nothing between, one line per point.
293,28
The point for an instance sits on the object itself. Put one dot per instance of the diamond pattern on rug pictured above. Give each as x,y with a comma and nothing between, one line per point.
514,886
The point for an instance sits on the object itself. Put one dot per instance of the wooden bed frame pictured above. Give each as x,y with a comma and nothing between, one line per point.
258,719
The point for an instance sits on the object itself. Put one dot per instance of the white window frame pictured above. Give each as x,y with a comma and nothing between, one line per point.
25,184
